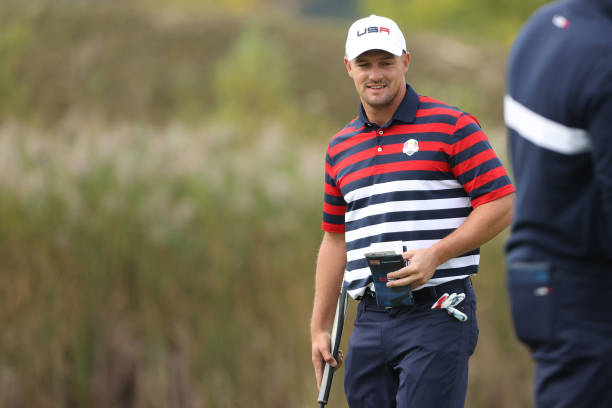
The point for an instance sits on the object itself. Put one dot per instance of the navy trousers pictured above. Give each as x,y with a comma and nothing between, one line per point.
411,357
564,316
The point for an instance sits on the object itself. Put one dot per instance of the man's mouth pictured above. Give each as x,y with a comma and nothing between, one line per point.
376,86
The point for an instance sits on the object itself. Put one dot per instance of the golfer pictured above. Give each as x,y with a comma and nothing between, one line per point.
413,172
558,110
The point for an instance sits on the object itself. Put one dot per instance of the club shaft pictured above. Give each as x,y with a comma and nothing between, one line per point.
336,336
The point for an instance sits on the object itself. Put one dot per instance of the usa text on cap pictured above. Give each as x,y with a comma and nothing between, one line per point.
374,33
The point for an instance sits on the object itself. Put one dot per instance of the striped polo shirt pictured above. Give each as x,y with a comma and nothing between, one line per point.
414,180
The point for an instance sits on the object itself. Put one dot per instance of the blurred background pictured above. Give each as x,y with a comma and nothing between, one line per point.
161,178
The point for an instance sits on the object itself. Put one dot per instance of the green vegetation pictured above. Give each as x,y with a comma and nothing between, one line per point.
483,20
160,200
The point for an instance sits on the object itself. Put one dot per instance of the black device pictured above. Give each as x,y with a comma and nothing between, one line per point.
381,263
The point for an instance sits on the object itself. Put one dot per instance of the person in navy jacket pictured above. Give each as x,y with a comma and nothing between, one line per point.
558,111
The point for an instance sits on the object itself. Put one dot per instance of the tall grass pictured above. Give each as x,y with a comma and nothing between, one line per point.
144,265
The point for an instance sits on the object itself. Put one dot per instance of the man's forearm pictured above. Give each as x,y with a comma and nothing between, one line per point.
330,270
483,224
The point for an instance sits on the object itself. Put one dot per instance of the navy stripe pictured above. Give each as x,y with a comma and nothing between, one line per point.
339,139
470,152
484,167
440,118
422,137
467,130
391,140
329,180
361,263
389,158
399,236
490,186
359,283
333,219
395,176
407,195
429,105
333,200
357,264
447,273
408,216
442,273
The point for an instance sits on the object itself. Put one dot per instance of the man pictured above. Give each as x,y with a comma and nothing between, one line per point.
558,111
412,169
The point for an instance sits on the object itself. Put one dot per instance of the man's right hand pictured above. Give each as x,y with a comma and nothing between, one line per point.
321,354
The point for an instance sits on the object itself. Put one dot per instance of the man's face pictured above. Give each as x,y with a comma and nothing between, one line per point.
379,76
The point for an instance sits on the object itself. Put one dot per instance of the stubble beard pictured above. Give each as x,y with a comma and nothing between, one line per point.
378,102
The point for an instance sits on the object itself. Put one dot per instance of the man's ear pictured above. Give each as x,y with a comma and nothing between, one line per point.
347,64
406,61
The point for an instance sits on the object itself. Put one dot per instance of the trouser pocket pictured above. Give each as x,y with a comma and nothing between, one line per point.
531,298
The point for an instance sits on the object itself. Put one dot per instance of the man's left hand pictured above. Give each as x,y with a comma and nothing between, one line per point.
422,264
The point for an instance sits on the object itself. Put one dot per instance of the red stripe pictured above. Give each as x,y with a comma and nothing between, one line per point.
484,178
437,111
428,99
347,129
434,147
493,195
357,157
468,142
326,226
427,165
334,209
395,130
350,142
333,191
473,162
422,128
388,149
467,120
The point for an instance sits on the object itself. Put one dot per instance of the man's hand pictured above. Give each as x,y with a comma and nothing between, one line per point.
321,354
422,264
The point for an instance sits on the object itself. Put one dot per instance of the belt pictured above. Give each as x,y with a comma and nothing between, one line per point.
431,293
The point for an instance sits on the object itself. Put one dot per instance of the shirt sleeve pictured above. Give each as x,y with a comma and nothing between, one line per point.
475,164
334,206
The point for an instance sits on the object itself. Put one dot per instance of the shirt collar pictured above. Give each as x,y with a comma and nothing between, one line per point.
405,112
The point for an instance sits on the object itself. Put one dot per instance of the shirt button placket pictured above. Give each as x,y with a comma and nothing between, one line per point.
380,133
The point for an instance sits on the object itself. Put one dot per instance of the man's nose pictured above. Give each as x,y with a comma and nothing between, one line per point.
376,73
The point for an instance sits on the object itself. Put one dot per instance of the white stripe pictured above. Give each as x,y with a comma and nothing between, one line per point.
439,281
544,132
357,274
355,293
402,226
460,262
410,205
401,185
355,254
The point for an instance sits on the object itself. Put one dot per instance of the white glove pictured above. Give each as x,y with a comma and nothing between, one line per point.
449,302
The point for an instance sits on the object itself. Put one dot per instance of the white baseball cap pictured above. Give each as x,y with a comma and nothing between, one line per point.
374,33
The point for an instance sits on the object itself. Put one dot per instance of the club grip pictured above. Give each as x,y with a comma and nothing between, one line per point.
336,336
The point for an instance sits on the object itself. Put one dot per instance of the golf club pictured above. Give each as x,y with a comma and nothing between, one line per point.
336,335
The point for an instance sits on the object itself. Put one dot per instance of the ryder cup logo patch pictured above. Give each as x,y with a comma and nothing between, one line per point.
411,147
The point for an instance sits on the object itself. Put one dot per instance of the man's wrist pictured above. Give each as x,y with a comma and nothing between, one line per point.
437,254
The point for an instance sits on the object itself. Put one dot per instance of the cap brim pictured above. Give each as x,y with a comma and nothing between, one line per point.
374,45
